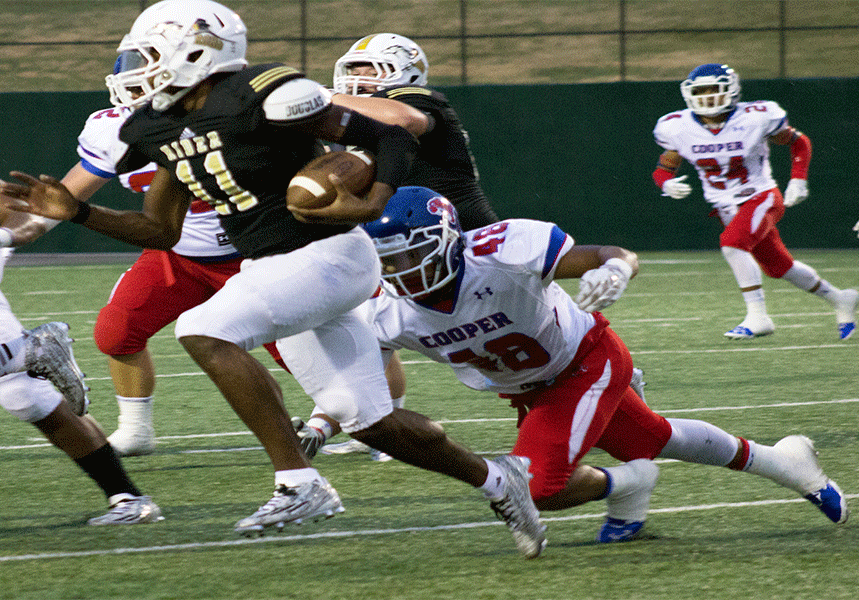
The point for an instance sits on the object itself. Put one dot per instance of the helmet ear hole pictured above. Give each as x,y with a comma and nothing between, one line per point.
194,56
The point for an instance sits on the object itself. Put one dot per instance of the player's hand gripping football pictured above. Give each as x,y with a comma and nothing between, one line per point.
44,196
600,288
676,188
795,192
347,208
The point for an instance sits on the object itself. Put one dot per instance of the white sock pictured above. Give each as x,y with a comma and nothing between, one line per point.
806,278
399,402
12,356
135,412
827,291
699,442
620,479
755,304
625,497
496,482
295,477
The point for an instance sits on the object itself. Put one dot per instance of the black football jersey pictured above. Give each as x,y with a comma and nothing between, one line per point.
228,154
444,162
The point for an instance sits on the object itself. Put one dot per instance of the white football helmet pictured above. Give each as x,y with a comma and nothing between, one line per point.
396,59
172,46
723,99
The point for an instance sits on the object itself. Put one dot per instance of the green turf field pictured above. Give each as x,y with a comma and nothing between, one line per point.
712,533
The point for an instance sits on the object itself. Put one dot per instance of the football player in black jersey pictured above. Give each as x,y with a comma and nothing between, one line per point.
384,76
234,136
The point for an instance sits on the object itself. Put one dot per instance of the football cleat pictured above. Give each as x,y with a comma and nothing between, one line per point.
618,530
831,502
130,511
49,355
312,501
808,479
379,456
637,383
751,328
517,508
353,446
348,447
845,312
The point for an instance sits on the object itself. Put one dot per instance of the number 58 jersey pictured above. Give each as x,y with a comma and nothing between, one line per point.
509,326
732,162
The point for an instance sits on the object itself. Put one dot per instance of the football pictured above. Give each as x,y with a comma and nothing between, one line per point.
310,188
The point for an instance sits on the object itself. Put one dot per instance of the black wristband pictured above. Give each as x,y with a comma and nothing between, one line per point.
83,213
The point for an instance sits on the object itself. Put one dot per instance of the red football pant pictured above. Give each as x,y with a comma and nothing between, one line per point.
150,295
593,407
753,229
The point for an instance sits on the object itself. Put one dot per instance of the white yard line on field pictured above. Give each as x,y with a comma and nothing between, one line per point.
368,532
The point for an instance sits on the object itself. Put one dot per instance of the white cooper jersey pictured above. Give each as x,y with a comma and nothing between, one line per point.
733,163
511,326
100,149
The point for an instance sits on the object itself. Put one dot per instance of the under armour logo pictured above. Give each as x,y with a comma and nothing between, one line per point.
486,292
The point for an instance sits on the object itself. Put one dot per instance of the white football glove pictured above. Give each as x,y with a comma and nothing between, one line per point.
676,188
856,228
795,192
599,288
311,438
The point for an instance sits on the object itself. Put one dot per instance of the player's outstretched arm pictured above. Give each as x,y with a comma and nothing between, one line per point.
158,225
44,196
605,272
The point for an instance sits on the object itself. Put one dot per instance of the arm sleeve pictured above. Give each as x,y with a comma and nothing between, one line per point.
661,175
800,155
394,147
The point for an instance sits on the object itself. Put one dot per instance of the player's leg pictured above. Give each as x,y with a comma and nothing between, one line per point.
273,297
565,421
791,462
339,365
327,427
150,295
743,231
777,262
36,401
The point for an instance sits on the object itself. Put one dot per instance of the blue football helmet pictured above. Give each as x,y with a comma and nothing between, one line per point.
419,241
721,89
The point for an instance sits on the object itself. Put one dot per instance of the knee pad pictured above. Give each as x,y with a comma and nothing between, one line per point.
115,332
28,398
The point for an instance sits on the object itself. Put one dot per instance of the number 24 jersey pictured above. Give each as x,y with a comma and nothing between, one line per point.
733,162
